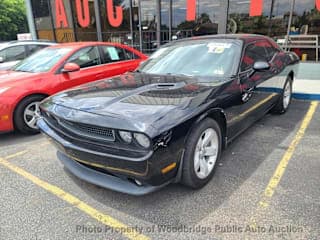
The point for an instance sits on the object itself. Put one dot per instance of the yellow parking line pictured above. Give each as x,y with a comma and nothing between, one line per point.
276,178
74,201
16,154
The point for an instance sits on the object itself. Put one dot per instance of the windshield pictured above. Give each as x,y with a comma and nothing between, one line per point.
216,57
42,61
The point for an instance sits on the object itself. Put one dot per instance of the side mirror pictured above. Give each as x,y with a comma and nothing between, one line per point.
70,67
1,59
261,66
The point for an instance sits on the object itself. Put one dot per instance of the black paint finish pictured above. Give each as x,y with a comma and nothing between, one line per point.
164,108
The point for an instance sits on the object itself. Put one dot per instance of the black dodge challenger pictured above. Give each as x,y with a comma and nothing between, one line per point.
169,120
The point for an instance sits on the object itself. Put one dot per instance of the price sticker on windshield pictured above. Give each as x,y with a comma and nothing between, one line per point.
218,47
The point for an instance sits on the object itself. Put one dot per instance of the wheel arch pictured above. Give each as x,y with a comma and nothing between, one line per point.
219,116
23,98
216,114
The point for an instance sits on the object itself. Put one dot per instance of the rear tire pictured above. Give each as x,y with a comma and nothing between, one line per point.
202,152
25,114
284,100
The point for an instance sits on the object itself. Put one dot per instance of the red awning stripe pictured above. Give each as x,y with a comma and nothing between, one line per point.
191,10
256,7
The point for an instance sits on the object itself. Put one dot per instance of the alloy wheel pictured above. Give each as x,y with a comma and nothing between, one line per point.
30,115
206,153
287,95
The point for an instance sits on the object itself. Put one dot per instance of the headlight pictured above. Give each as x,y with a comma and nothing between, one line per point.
142,140
126,136
3,89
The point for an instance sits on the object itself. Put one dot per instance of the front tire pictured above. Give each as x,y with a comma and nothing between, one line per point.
25,115
203,149
284,100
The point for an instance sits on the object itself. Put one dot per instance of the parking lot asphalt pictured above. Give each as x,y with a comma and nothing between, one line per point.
266,187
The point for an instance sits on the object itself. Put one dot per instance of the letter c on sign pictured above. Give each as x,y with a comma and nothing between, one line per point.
83,14
114,20
318,4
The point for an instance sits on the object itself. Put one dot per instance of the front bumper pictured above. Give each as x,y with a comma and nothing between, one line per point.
112,171
105,180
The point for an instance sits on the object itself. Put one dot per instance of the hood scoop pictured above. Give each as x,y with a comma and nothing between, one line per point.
165,85
170,85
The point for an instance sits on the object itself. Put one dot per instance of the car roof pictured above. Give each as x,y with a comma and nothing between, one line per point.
26,42
247,38
83,44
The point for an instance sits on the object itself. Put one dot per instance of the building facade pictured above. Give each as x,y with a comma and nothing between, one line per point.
146,24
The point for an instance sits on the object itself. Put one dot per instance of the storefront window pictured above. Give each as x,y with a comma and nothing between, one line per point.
170,17
122,33
148,15
207,17
43,19
306,18
63,33
275,17
88,33
241,22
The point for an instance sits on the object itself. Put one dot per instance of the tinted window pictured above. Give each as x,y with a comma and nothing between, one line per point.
253,53
114,54
271,50
13,53
86,57
35,48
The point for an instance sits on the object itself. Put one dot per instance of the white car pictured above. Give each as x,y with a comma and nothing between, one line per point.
13,52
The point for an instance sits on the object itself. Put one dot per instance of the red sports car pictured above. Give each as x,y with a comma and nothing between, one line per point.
54,69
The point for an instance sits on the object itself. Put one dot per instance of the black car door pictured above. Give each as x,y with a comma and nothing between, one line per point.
256,95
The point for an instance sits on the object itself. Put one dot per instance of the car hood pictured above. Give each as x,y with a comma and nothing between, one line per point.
10,78
134,101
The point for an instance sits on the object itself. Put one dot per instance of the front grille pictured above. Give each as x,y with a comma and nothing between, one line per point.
88,130
82,129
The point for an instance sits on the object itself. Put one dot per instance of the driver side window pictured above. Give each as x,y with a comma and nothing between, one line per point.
253,53
86,57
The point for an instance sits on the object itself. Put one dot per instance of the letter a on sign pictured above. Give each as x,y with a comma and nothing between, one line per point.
256,8
191,10
318,4
83,13
61,17
114,20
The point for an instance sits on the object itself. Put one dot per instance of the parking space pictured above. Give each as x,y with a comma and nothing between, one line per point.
40,200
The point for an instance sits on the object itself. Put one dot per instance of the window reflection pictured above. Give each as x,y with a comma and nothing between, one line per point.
274,21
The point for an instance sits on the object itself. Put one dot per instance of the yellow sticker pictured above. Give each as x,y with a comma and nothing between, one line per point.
217,47
219,50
